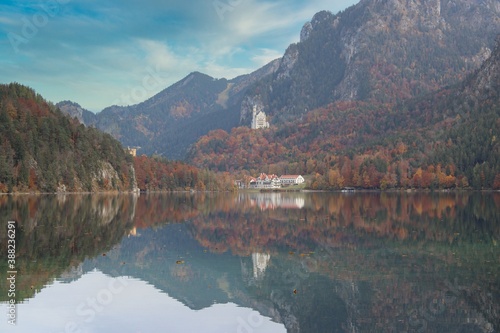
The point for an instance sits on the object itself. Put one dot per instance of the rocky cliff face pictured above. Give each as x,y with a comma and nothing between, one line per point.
381,50
485,84
74,110
416,39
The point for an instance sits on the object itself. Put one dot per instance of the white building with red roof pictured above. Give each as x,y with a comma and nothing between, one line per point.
265,181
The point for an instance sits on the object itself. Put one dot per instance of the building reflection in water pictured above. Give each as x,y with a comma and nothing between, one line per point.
273,201
260,261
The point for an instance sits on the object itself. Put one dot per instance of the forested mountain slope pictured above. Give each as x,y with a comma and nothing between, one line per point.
44,150
444,139
41,149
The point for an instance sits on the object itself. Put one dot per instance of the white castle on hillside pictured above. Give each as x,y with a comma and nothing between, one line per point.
259,118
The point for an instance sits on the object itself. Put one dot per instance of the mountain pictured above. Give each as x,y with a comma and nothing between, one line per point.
377,51
382,51
475,129
44,150
169,122
74,110
444,139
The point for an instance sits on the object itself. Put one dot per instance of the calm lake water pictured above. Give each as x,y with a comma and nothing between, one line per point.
302,262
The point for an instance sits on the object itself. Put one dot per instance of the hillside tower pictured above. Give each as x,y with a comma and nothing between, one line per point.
259,118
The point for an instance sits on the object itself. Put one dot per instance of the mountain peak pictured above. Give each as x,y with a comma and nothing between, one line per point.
197,74
317,20
68,103
171,120
74,110
321,17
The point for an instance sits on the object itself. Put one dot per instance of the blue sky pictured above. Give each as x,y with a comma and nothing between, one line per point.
100,53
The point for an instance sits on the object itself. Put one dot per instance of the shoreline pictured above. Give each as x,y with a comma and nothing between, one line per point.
259,191
108,192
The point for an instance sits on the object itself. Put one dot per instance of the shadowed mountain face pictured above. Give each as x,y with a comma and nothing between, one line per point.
484,85
381,51
377,51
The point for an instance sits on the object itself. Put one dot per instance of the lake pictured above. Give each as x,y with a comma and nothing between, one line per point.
251,262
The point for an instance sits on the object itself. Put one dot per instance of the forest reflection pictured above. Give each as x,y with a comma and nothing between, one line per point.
245,223
380,255
84,225
57,232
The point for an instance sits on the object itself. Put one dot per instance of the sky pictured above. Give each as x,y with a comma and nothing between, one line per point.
121,52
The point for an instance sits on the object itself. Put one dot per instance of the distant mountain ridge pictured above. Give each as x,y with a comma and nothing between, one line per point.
381,51
169,122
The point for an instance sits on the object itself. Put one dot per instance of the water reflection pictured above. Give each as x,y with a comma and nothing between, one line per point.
310,262
56,233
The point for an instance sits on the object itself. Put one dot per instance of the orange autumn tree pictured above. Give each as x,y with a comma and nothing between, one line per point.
158,174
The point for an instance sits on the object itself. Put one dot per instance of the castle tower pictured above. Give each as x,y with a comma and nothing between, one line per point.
259,118
254,116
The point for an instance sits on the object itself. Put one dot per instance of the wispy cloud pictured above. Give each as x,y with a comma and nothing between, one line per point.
92,51
265,56
7,20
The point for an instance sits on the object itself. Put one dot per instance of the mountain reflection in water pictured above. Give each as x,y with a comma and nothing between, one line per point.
295,262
